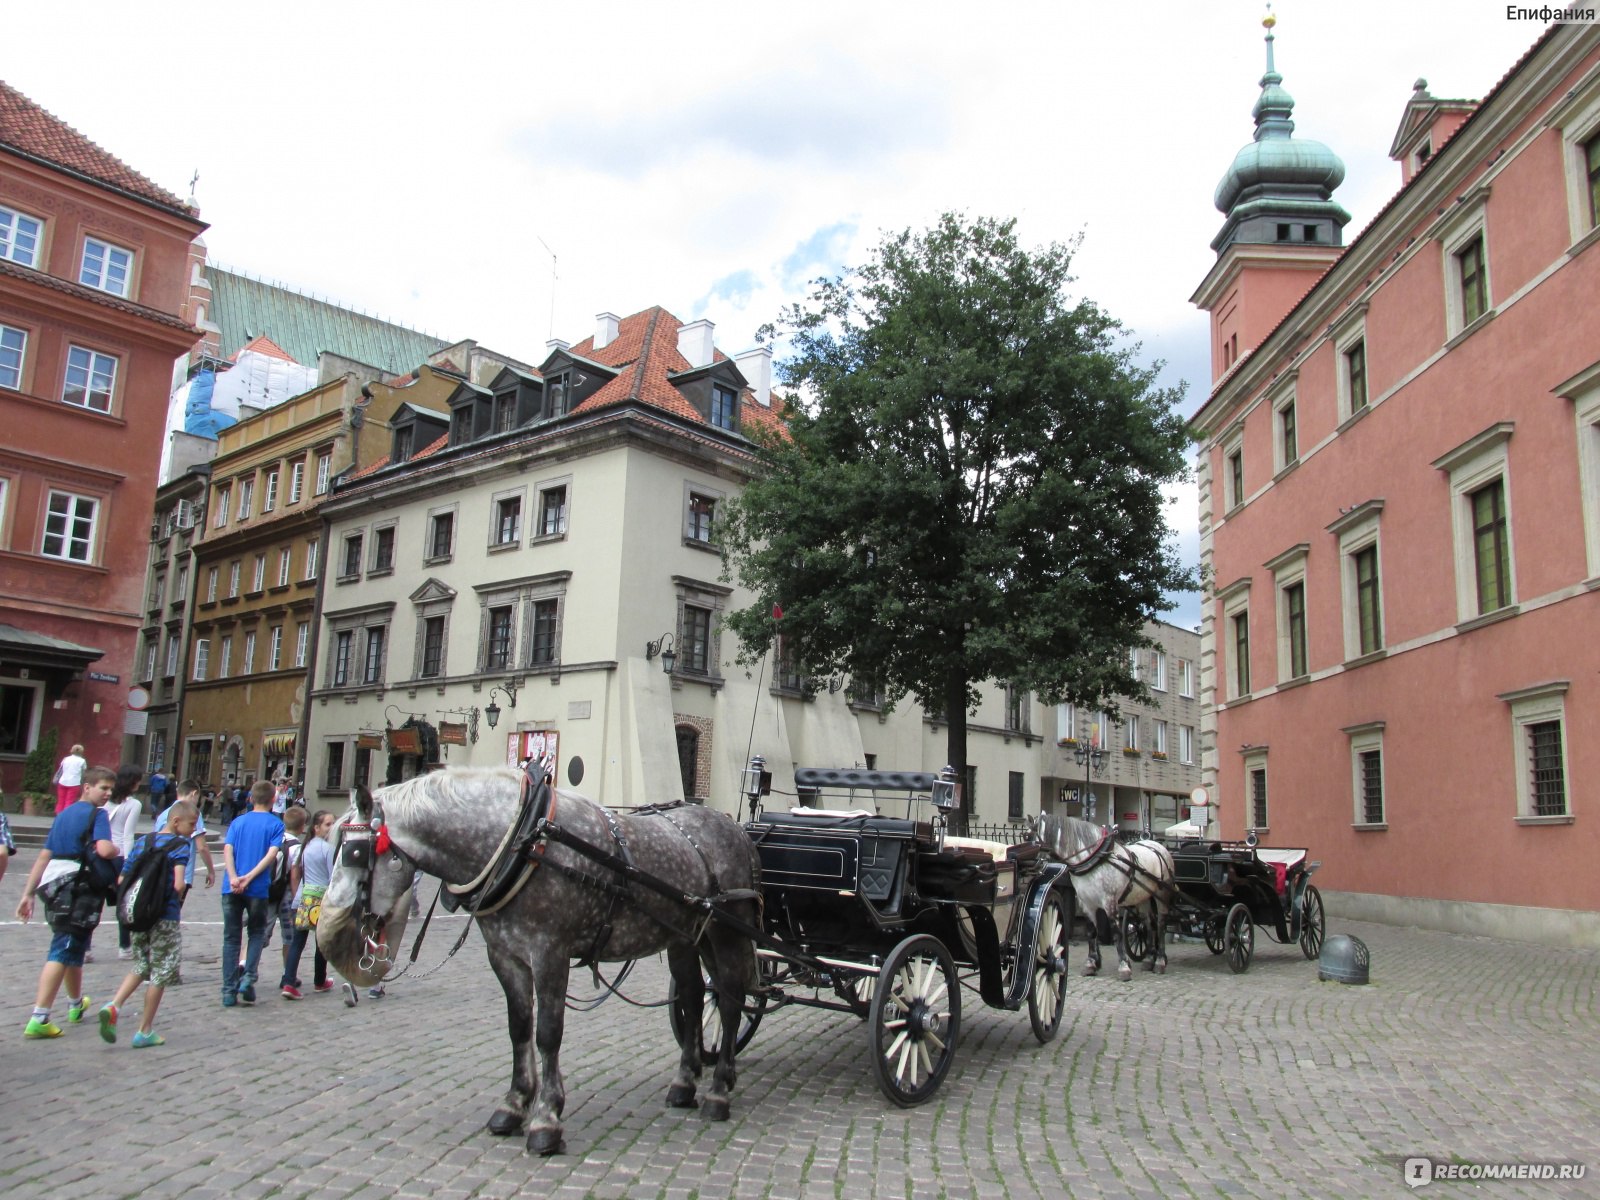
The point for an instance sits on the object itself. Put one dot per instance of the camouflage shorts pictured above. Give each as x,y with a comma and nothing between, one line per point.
157,953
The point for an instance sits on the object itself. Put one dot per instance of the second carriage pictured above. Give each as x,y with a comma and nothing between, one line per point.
871,907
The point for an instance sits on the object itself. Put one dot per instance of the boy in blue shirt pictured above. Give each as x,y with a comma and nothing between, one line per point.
81,822
158,950
253,844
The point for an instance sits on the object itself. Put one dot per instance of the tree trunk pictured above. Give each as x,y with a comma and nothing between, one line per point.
955,711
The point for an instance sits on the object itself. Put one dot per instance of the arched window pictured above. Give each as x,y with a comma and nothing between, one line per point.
688,758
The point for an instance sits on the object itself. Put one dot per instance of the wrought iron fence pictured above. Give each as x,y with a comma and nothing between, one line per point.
1007,833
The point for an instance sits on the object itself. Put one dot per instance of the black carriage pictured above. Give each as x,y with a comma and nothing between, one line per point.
1226,889
871,907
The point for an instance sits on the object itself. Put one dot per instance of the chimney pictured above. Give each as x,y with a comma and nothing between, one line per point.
606,329
694,342
555,344
756,366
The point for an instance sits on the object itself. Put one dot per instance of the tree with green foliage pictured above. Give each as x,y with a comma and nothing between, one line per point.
40,765
970,485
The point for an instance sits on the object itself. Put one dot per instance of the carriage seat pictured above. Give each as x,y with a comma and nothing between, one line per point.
1280,863
853,821
996,851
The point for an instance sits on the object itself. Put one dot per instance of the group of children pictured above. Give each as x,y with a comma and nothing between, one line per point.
82,832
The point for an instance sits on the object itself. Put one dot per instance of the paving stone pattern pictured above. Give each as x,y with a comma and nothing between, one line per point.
1196,1084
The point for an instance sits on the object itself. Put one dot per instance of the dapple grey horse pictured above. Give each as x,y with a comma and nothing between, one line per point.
450,824
1108,876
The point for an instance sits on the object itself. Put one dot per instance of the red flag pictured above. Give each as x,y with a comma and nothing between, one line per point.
777,612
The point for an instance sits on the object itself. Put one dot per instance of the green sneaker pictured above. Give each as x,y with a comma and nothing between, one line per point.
75,1013
108,1025
141,1040
41,1029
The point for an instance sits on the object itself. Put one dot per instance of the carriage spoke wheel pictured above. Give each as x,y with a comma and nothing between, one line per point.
1136,935
1214,941
1239,937
1047,990
1313,922
915,1019
711,1020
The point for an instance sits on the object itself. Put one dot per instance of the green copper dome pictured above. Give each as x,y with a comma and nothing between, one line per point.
1278,178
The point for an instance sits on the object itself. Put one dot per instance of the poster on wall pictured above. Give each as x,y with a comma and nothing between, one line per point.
542,745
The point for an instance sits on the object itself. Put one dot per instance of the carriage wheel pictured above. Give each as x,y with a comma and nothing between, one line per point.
1313,922
1240,938
1136,935
1047,990
711,1020
1214,942
916,1016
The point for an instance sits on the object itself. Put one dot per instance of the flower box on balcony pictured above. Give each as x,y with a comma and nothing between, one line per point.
1130,752
1161,754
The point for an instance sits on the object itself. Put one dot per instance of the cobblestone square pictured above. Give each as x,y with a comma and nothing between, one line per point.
1198,1083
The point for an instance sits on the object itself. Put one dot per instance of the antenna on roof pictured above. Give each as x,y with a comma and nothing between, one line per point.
553,278
193,179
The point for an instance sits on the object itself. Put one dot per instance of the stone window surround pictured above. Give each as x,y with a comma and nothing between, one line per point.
519,494
1364,737
1344,334
1583,390
695,593
1454,231
520,595
433,599
1235,600
1288,569
536,528
1255,759
1473,464
374,570
452,510
1578,119
692,488
1282,395
1233,444
355,620
1530,706
1356,530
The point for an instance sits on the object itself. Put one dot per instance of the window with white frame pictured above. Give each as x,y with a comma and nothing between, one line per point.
1539,752
1289,581
1583,390
1281,398
269,492
13,350
202,657
275,648
180,592
1463,237
90,380
69,527
172,655
324,471
1186,744
1480,500
247,495
297,481
1158,678
106,267
1186,678
225,658
249,663
1257,815
1136,662
699,515
1366,775
1360,579
313,549
1235,604
1066,722
1131,733
441,535
19,237
1233,470
1158,737
258,580
553,502
506,529
151,647
302,640
1349,337
1577,115
211,585
224,494
284,557
233,579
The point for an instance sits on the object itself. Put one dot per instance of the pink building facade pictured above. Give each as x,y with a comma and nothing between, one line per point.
1400,520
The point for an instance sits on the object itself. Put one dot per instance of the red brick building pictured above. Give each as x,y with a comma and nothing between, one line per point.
94,266
1400,507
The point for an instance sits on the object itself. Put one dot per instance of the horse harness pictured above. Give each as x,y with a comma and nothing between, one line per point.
1103,853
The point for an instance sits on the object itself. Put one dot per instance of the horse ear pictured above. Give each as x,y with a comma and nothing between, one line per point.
363,801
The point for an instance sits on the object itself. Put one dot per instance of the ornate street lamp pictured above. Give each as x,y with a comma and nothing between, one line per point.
491,711
1089,757
662,646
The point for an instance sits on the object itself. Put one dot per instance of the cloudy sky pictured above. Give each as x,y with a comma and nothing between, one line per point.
432,163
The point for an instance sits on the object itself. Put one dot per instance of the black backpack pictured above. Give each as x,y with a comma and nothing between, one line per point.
281,870
143,894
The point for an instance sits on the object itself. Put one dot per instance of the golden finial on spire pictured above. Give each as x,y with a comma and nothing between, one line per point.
1268,21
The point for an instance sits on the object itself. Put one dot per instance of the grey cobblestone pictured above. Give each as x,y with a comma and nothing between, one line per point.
1196,1084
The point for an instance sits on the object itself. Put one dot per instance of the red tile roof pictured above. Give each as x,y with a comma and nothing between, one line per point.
26,127
262,344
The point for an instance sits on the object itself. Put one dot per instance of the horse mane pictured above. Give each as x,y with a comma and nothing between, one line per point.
417,799
1074,833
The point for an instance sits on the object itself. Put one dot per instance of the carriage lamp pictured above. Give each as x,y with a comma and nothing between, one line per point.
491,711
662,646
755,781
946,793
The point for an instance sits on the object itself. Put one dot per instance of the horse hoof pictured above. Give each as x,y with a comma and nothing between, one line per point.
504,1123
714,1110
545,1142
1091,969
1161,967
1125,973
680,1096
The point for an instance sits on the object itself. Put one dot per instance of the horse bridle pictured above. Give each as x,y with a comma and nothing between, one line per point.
361,845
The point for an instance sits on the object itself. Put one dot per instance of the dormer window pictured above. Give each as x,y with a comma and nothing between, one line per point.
505,412
461,426
558,394
724,407
402,444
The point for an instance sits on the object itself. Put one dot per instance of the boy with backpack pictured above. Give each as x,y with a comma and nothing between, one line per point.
150,903
253,845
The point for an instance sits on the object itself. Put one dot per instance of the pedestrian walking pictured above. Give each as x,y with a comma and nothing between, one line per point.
316,870
253,844
69,778
294,824
123,815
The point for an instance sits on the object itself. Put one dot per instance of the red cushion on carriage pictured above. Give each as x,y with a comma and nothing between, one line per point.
1280,874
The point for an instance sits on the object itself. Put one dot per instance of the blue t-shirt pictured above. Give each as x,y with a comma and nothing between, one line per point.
158,786
199,833
177,851
72,823
251,836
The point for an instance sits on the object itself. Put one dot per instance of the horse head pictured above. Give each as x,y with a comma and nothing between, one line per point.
368,899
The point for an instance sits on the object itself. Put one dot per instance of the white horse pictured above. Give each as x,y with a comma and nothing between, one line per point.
1109,876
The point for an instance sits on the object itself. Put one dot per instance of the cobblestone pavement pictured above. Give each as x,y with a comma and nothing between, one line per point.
1196,1084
